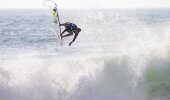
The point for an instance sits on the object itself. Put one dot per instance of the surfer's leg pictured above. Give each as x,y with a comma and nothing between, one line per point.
63,32
65,24
69,34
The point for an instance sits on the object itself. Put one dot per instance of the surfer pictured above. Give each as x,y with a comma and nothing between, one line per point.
70,28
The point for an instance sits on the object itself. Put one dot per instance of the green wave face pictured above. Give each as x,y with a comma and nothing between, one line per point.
157,80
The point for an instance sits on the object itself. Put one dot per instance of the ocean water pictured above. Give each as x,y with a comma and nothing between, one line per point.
121,54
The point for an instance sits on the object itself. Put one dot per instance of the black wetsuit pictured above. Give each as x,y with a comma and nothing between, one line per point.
72,27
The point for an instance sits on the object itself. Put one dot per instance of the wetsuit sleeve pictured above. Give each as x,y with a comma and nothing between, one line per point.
74,38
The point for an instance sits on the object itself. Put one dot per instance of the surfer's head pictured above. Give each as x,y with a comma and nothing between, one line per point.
78,30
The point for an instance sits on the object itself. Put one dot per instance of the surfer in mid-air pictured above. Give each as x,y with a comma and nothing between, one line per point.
70,28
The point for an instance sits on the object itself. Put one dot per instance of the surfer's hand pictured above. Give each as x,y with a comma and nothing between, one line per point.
70,43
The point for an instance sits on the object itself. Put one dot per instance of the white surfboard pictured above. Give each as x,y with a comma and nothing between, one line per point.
57,30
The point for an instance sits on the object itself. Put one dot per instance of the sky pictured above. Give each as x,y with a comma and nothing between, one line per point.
87,4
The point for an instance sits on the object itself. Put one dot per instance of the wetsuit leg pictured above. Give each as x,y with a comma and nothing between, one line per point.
63,32
70,33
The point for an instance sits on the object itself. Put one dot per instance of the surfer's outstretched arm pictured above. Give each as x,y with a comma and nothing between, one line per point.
75,36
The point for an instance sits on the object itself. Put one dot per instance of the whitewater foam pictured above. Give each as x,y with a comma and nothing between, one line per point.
119,55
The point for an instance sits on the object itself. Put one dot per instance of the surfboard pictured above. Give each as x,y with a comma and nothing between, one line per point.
55,14
57,30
